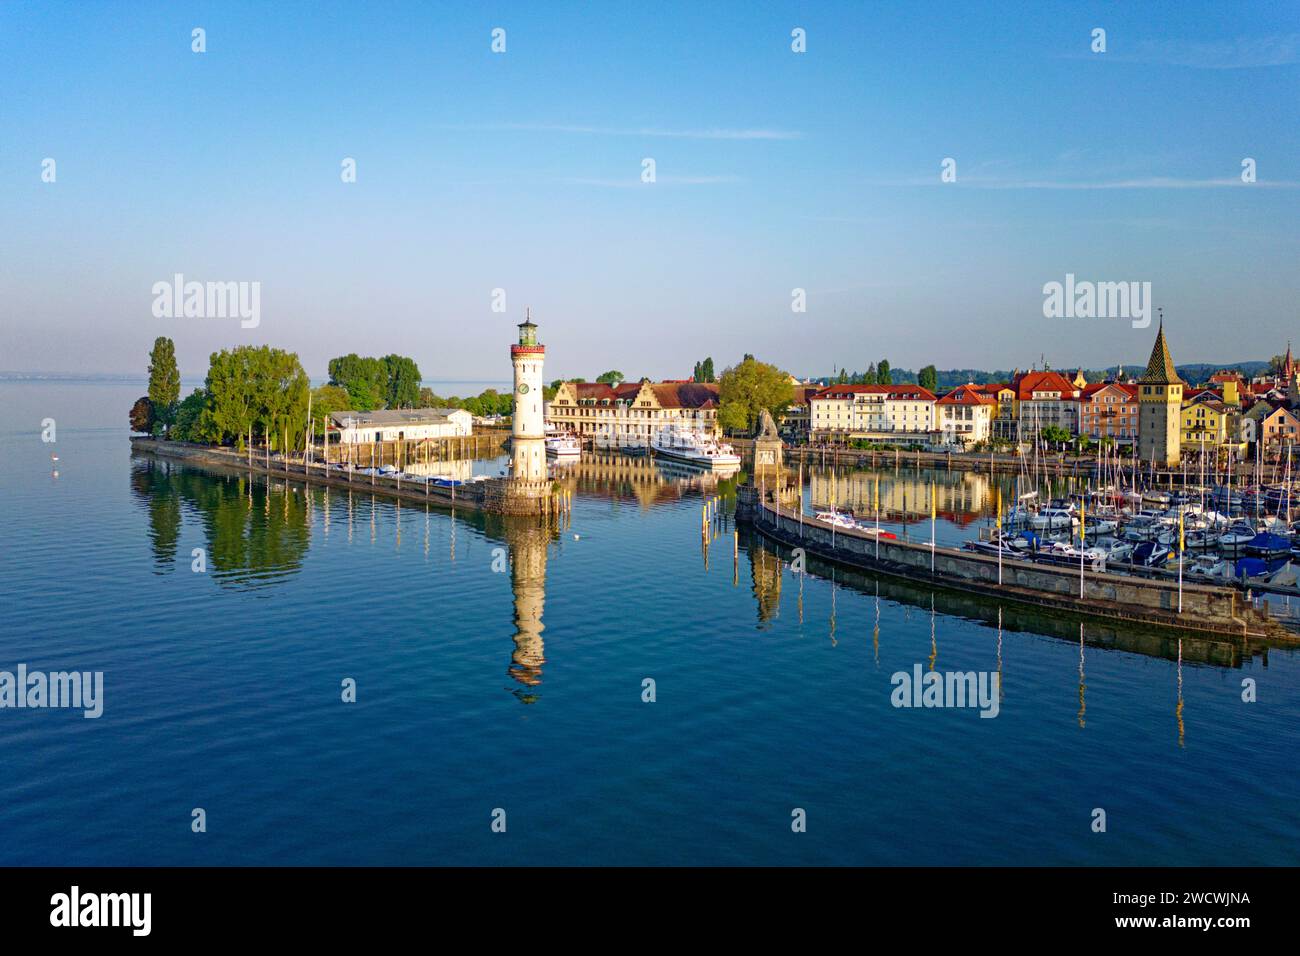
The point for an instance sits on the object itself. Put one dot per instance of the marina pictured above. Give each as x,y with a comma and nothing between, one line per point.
466,676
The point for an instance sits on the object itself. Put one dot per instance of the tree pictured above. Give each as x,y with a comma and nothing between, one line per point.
612,377
843,379
402,389
164,380
254,388
1054,434
705,373
883,376
193,419
928,378
327,400
746,389
870,377
142,418
366,380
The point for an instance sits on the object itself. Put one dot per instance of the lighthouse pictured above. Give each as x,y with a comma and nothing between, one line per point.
528,444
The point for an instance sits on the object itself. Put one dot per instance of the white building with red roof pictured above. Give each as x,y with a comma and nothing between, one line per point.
964,416
872,412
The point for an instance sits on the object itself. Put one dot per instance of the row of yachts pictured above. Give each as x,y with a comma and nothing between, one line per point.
1219,539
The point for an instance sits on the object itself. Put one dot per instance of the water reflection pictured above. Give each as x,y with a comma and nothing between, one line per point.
256,532
768,558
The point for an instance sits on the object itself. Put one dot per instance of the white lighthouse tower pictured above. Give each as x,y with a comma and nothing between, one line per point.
528,446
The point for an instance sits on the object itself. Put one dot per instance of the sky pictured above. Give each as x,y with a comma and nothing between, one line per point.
774,170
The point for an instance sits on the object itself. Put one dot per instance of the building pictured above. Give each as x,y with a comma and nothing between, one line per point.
1046,400
1212,419
629,414
965,416
1279,428
1006,417
872,412
796,423
1109,410
528,425
400,424
1160,399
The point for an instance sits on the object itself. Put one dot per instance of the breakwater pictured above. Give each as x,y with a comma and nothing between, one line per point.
1201,608
505,496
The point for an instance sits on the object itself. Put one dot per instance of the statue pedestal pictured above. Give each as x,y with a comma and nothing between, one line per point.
768,455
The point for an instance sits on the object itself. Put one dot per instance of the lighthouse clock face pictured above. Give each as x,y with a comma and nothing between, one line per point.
523,388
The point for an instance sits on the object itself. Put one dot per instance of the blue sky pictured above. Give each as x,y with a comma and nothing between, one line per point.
775,171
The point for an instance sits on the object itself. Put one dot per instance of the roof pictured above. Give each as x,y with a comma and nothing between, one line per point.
672,394
1031,382
685,394
1160,369
895,392
394,416
967,395
1129,391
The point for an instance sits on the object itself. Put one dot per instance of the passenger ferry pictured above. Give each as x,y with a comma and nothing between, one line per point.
562,445
694,449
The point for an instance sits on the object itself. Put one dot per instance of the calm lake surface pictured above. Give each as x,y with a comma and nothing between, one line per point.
521,688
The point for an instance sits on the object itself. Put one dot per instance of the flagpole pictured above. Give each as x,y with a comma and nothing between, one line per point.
1083,531
877,501
999,538
1180,561
933,507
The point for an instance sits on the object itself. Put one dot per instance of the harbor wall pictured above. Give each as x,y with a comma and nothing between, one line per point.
496,496
1116,596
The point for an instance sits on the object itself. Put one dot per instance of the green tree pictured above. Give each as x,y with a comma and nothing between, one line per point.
704,371
870,377
612,377
325,401
193,420
164,381
883,376
402,389
746,389
928,377
366,380
843,379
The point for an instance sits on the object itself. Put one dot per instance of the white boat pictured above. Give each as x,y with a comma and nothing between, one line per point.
1053,518
694,449
561,445
835,518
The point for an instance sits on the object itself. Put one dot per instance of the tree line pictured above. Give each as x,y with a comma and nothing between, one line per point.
262,395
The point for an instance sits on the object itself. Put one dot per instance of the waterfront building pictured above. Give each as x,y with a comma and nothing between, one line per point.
873,413
1278,428
1212,419
965,416
1109,410
1161,400
627,415
399,424
1046,399
528,425
1006,417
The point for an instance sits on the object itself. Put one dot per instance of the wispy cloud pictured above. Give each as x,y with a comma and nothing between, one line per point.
1149,182
1239,53
649,131
1236,54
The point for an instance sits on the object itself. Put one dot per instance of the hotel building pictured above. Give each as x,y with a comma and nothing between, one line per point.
629,414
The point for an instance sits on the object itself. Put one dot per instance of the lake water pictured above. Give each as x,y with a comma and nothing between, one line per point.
501,665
